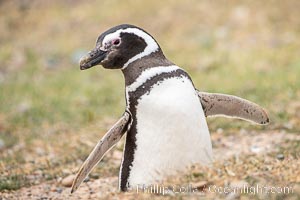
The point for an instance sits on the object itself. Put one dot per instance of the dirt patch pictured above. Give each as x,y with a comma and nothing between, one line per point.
244,158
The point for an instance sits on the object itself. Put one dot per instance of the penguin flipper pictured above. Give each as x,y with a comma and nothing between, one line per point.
107,142
215,104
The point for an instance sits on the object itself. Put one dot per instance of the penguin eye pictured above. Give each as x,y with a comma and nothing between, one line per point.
116,42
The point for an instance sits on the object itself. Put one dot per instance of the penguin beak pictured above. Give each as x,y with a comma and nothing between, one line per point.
93,58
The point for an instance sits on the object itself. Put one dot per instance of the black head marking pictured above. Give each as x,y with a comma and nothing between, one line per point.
114,29
130,46
117,47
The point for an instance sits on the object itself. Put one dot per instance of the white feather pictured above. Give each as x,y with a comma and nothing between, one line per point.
171,132
151,45
149,73
146,75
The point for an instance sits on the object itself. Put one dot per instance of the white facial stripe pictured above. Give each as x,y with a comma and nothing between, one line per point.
151,47
149,73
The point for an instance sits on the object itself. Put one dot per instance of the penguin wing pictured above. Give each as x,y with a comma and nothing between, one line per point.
232,106
106,143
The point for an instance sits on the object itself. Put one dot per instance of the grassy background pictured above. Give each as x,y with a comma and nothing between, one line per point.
51,113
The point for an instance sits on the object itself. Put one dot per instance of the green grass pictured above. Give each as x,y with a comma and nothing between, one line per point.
249,49
13,182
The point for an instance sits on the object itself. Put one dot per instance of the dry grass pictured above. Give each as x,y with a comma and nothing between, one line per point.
51,114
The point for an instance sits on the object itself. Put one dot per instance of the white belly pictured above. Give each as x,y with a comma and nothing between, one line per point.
171,132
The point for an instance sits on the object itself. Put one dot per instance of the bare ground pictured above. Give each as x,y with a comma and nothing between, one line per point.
51,114
268,164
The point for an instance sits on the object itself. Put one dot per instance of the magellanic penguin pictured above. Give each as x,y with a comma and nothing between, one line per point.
165,114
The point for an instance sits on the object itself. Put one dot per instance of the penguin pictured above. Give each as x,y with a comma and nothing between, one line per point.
165,116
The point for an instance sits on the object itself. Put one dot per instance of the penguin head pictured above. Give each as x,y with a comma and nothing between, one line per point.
119,46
